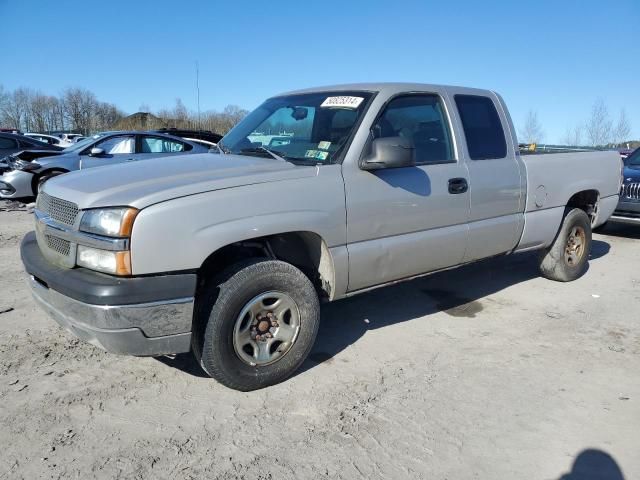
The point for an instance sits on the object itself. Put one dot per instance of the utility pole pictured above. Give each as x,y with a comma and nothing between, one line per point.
198,93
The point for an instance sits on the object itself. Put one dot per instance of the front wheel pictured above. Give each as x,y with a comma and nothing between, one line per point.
257,324
567,258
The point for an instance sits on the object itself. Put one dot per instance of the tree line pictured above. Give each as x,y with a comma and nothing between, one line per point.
599,130
79,110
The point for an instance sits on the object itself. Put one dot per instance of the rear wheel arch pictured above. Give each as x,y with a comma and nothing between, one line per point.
586,200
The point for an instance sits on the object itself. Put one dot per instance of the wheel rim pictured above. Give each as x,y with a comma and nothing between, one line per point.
266,328
575,248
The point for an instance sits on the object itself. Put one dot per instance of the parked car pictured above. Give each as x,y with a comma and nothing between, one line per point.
28,169
49,139
69,137
625,152
628,209
208,136
12,143
230,254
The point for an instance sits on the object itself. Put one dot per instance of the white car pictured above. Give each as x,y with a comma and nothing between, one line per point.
50,139
69,137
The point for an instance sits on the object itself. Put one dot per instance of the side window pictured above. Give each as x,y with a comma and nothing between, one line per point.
420,118
117,144
7,143
162,145
482,127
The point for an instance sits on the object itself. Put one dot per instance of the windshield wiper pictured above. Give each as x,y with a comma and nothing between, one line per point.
275,154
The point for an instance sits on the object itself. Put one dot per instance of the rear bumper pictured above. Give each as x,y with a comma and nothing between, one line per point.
16,184
134,316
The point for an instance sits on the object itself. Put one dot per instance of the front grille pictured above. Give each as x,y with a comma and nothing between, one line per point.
630,191
63,247
60,210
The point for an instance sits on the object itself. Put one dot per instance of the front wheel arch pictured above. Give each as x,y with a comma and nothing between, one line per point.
41,177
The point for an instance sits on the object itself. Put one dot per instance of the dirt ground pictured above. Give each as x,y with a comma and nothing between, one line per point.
485,372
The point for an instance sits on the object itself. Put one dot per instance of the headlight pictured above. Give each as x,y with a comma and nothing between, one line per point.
112,222
115,263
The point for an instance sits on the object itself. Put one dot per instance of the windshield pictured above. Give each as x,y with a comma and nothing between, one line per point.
633,160
307,129
83,143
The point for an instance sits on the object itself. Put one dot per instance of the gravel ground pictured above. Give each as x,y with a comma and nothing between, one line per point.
486,372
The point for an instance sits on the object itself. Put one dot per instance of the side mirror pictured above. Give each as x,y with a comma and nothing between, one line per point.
389,152
96,152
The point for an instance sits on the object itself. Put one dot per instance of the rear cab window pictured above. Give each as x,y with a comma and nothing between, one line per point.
482,127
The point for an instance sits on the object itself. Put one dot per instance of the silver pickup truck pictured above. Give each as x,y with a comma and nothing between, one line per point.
316,195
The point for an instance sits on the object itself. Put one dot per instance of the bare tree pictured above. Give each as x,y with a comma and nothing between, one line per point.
622,130
180,112
599,125
79,107
39,110
573,136
531,132
14,108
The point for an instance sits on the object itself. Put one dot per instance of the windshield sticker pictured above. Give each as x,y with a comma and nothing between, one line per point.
342,102
324,145
317,154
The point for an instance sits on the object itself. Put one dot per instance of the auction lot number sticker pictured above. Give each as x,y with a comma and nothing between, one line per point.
342,102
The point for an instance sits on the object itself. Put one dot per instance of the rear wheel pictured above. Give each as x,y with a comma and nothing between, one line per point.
568,256
257,324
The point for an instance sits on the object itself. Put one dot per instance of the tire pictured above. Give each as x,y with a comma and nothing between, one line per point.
564,261
39,180
220,343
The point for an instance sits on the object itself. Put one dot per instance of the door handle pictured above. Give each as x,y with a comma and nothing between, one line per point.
458,185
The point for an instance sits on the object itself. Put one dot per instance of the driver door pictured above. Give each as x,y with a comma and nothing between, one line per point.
116,149
407,221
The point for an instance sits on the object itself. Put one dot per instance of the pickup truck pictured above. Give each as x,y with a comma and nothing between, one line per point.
230,255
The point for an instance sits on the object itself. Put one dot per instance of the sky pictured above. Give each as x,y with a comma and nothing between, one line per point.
553,57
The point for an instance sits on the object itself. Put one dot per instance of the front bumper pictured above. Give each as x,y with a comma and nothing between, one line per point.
16,184
147,316
627,212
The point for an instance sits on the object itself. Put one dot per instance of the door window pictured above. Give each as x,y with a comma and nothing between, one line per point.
421,119
482,127
117,144
162,145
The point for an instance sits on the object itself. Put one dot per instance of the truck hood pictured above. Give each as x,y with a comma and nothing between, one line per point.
631,174
143,183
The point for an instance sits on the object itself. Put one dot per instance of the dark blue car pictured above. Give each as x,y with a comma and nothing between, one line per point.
628,210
